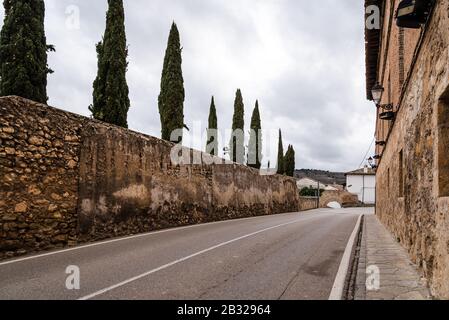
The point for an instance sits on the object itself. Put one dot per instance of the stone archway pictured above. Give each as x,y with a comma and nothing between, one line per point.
343,198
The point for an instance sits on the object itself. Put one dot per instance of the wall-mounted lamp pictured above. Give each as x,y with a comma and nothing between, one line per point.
371,163
413,13
377,91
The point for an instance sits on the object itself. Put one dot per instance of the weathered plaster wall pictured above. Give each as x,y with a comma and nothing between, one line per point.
67,179
418,217
128,184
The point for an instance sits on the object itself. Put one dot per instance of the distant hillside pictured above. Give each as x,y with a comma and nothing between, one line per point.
325,177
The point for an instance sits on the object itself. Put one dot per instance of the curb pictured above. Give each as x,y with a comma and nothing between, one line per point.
338,288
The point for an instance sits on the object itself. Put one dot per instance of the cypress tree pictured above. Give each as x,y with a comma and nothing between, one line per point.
212,137
290,162
23,50
280,166
171,98
110,95
236,145
255,140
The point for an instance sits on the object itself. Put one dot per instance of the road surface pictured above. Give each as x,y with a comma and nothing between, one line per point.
288,256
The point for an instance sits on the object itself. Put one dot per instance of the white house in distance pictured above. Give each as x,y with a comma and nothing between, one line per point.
313,184
362,182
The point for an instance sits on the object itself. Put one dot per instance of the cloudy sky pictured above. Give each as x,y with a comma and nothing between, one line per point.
303,60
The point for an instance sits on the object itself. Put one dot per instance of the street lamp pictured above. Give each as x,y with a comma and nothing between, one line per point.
371,163
377,92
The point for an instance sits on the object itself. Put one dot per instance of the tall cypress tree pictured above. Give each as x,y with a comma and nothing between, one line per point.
23,50
237,143
255,140
110,96
280,166
171,98
289,161
212,135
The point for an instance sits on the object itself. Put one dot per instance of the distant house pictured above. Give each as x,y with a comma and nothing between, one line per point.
313,184
362,182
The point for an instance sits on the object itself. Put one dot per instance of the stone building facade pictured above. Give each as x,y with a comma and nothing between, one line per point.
412,66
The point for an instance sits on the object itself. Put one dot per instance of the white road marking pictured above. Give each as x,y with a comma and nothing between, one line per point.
120,284
339,283
138,236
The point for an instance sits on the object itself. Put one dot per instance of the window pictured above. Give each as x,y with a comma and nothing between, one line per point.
443,144
401,174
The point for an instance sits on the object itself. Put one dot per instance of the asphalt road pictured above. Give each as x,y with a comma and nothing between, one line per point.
288,256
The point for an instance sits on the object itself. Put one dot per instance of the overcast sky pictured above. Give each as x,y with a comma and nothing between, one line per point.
303,60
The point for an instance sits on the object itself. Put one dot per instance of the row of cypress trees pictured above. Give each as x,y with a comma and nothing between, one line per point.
236,147
24,70
285,163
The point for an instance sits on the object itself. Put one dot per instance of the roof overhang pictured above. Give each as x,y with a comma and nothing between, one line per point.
372,49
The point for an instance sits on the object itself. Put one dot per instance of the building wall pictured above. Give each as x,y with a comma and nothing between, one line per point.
67,179
364,186
412,168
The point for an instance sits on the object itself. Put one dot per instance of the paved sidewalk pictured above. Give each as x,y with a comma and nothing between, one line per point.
398,278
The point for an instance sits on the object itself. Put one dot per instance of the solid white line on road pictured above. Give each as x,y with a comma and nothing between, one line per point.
339,283
120,284
135,237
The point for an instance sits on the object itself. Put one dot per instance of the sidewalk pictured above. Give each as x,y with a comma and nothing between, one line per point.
385,266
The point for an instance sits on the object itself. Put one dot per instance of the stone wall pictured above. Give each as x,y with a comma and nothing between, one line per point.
344,198
67,179
39,155
408,200
307,203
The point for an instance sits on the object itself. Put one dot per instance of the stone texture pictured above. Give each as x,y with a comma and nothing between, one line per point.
418,217
307,203
344,198
34,172
80,180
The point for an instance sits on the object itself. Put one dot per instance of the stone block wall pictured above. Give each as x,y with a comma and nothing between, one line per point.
39,156
413,210
67,179
344,198
308,203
